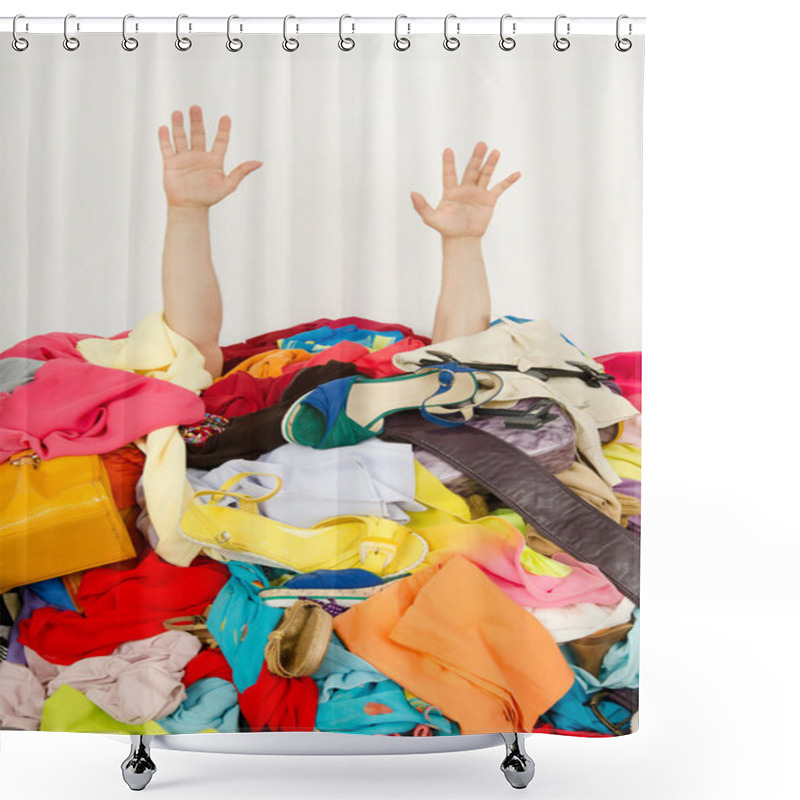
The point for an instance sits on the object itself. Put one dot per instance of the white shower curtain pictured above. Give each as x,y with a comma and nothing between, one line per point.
344,137
541,556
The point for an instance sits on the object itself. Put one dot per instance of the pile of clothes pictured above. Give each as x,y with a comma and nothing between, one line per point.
289,567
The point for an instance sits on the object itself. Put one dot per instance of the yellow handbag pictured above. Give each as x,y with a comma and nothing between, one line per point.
57,517
371,543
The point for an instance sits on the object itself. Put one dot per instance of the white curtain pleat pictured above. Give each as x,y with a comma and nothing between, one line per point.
326,228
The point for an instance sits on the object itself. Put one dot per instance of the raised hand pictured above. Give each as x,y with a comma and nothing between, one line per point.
193,176
465,208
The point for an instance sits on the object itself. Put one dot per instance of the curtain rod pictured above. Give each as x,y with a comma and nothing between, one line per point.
309,25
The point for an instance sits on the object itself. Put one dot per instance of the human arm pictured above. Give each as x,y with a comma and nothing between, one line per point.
462,217
194,180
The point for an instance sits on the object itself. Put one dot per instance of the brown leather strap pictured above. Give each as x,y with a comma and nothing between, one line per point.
541,499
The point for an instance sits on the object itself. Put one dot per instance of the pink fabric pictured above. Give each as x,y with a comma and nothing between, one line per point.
52,345
627,371
138,682
379,364
76,408
21,699
585,584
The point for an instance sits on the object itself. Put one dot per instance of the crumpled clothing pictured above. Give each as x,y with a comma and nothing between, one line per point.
29,602
355,698
586,483
241,623
236,353
15,372
21,698
52,345
69,711
207,664
625,460
279,704
139,681
155,350
372,478
572,712
269,364
209,703
449,635
538,344
316,340
620,667
111,409
627,371
571,622
122,605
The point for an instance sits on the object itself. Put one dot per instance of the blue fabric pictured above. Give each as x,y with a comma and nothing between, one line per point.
572,712
241,623
620,667
333,579
324,337
209,703
348,685
53,592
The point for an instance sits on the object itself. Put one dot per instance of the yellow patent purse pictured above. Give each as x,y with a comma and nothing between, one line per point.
57,517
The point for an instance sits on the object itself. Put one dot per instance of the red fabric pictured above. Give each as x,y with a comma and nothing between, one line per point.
627,371
546,728
123,605
124,467
236,353
280,704
240,393
207,664
52,345
73,408
379,364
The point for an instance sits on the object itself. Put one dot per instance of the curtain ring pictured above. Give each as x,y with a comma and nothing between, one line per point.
289,44
561,43
451,42
623,45
129,43
70,42
401,42
18,42
233,44
181,42
507,42
346,42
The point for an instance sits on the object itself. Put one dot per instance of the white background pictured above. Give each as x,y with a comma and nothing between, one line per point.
720,598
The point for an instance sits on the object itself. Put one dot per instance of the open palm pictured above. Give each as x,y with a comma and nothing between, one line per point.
465,208
194,176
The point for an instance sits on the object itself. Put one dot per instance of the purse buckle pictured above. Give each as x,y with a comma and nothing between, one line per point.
30,458
369,549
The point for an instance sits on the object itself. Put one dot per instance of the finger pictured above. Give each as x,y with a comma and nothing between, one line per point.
196,130
236,175
488,168
164,142
223,135
474,166
422,207
499,188
449,177
178,133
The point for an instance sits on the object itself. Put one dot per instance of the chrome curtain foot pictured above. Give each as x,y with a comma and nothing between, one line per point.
517,766
138,768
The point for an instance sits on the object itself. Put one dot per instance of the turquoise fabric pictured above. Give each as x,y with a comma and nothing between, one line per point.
355,698
572,713
209,703
620,667
241,623
322,338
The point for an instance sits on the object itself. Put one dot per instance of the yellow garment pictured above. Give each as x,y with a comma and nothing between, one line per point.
586,483
69,711
448,528
153,349
269,364
625,459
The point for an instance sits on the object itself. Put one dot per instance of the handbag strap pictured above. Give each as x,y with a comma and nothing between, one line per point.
246,502
555,511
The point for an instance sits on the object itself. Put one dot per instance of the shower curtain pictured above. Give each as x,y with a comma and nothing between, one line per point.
321,385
